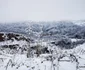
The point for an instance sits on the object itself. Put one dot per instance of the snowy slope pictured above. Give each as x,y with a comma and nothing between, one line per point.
44,61
35,50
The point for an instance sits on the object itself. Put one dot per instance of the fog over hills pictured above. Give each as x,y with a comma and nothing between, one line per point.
66,28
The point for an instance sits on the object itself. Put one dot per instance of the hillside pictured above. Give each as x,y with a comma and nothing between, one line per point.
42,46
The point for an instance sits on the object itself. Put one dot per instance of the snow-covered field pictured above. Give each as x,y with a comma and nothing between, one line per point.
45,61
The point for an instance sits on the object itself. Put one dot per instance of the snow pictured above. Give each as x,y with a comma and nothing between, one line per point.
67,66
21,43
44,61
21,62
74,40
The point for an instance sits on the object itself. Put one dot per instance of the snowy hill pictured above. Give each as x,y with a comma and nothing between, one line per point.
42,46
11,42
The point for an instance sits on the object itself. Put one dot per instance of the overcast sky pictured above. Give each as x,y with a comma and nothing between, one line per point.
41,10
